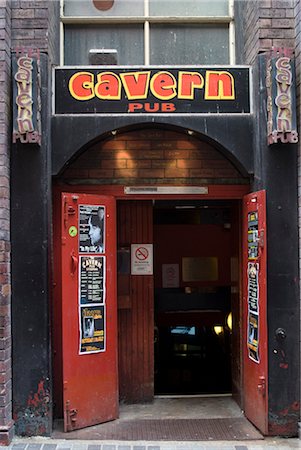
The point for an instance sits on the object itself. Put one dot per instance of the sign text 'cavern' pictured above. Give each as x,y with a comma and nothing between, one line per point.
154,90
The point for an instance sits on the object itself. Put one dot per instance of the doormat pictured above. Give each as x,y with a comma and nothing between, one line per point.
235,429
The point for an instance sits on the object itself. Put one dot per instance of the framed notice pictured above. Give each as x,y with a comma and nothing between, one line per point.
142,259
92,329
91,279
170,276
91,229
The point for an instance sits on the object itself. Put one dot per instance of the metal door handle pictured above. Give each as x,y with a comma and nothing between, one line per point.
74,262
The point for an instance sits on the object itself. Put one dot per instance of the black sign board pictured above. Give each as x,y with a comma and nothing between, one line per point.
130,90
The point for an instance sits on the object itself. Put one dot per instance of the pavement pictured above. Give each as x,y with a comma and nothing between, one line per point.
39,443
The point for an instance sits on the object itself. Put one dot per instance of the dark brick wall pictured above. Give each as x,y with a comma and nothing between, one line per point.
36,24
150,157
6,425
267,23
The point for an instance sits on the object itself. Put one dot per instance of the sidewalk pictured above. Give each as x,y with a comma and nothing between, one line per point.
39,443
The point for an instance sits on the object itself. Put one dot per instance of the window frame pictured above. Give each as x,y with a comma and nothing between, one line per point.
146,20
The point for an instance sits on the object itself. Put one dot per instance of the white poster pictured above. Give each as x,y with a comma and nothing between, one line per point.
142,259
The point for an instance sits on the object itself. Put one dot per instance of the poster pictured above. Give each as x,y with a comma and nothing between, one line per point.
91,229
253,235
92,329
253,312
91,279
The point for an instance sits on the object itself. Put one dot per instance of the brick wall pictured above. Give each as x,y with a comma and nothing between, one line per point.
267,24
5,280
148,156
36,24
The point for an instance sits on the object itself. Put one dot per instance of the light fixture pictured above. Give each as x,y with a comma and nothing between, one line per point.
229,321
218,329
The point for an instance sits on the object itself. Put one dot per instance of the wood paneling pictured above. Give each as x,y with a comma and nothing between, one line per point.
136,321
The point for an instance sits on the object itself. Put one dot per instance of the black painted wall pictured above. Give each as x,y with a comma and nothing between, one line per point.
276,171
30,232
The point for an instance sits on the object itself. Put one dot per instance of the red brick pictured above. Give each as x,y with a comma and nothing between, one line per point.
101,173
150,154
162,145
113,163
151,173
187,144
201,173
162,163
139,163
138,145
176,154
189,163
125,173
176,173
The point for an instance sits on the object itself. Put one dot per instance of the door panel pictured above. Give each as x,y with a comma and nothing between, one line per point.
136,316
89,310
254,310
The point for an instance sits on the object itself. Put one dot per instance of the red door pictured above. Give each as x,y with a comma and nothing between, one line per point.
89,311
255,311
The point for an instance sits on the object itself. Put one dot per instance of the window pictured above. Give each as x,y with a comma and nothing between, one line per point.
148,32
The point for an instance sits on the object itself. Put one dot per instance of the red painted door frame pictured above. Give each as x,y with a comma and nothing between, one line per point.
214,192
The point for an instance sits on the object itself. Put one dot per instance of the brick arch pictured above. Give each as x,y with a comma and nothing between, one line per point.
153,156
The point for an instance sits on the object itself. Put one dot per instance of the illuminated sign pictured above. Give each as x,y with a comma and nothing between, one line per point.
26,96
281,98
151,91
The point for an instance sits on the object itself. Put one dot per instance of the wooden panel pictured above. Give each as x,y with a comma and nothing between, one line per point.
136,323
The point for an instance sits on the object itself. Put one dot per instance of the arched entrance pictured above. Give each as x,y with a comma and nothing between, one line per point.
179,198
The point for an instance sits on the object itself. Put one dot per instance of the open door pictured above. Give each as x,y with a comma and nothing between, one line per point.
89,311
255,374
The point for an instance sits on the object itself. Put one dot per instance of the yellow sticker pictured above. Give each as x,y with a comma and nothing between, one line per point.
73,231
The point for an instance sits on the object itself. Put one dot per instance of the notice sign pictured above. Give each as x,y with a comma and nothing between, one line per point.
170,276
92,325
91,283
97,90
253,312
142,259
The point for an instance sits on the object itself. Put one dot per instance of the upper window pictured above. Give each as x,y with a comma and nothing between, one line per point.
147,32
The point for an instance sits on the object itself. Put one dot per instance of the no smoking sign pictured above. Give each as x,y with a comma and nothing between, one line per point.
142,259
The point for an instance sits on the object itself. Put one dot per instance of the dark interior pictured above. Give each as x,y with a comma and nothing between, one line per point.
195,244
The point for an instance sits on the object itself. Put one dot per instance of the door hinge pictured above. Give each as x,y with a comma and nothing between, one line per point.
69,417
262,386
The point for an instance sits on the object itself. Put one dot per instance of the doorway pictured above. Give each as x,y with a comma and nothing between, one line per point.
196,284
177,323
181,315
